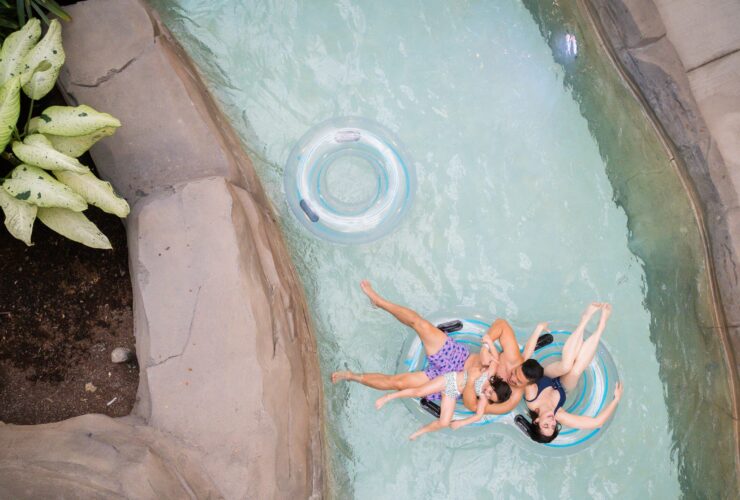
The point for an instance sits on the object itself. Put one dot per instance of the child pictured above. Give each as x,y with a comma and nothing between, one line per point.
488,387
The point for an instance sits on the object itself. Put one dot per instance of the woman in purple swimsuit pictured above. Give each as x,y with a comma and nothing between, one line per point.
546,399
444,354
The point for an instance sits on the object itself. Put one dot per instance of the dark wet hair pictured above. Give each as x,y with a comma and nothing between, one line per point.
532,370
501,388
534,432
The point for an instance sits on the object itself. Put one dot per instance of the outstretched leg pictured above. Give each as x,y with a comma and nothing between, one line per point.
573,345
587,352
436,385
432,337
381,381
447,411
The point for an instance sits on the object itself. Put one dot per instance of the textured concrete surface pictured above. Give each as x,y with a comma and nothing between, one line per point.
94,456
130,75
682,57
701,30
229,369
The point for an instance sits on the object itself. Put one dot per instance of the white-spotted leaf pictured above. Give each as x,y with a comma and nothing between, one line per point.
76,146
95,191
75,226
38,151
15,48
10,108
42,63
19,217
71,121
33,185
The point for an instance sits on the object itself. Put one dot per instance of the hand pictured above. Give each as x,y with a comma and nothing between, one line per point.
618,391
542,327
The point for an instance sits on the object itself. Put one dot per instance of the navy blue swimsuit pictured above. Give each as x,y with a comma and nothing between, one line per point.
545,382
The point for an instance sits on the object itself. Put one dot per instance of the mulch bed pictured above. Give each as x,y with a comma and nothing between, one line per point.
63,309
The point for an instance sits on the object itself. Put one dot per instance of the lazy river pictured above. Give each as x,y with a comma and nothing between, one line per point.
540,187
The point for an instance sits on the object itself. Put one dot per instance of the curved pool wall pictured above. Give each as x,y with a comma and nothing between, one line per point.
699,390
519,209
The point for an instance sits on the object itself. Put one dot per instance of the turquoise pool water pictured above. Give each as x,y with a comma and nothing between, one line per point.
540,188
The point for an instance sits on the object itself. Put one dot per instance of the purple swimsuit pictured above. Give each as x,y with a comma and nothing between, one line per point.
450,358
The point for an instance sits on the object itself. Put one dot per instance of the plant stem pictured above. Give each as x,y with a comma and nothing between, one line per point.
15,132
28,118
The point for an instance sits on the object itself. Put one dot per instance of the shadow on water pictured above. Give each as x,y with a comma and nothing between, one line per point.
664,234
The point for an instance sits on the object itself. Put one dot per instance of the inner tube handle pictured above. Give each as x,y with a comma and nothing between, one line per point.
307,210
347,135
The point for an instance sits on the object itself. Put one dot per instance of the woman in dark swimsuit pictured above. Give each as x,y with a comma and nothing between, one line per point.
546,399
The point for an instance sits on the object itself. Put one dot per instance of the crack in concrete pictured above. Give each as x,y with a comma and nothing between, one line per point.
110,74
714,59
647,41
190,333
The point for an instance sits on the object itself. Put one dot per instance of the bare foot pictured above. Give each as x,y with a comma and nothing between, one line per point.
381,401
371,294
592,308
606,310
337,376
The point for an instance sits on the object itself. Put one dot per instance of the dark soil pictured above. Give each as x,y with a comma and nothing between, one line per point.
63,309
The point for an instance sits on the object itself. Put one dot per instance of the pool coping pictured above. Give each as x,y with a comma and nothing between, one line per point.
659,81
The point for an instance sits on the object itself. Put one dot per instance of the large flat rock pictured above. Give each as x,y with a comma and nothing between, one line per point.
216,339
701,30
716,87
118,63
95,456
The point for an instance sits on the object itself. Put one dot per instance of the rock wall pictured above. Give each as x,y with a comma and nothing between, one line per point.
230,396
681,58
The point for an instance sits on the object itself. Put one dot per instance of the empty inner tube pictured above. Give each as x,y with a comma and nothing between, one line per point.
348,180
593,392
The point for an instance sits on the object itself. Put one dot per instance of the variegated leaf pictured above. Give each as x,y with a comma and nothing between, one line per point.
75,226
95,191
76,146
73,121
42,63
19,217
33,185
10,108
15,48
38,151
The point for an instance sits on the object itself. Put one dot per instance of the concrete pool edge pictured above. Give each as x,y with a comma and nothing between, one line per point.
633,34
230,400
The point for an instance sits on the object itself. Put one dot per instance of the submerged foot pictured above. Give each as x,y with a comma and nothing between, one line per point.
371,294
337,376
380,402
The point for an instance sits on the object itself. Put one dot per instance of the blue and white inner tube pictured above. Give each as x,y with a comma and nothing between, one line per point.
593,392
348,180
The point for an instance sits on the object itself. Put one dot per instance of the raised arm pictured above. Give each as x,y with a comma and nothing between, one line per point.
479,412
501,330
580,422
532,341
506,406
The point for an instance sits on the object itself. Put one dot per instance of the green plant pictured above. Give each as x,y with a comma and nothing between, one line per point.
13,14
50,142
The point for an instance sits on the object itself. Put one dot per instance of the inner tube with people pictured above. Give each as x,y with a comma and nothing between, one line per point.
348,180
594,390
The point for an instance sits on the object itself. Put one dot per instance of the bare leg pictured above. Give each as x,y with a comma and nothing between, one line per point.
572,346
446,413
436,385
587,352
432,337
381,381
